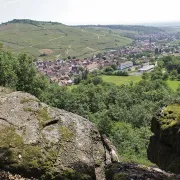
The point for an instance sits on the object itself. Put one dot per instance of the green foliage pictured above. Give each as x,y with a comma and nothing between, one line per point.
174,73
171,116
165,76
156,74
26,73
114,66
130,142
8,66
123,112
145,76
1,45
121,73
108,69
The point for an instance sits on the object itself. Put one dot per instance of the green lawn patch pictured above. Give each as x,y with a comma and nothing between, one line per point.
119,80
173,84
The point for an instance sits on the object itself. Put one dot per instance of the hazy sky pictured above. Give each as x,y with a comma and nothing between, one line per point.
91,11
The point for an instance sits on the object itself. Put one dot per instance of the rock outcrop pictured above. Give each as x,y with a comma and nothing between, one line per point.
49,143
164,147
130,171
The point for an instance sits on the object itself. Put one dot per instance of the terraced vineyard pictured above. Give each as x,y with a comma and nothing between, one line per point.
52,40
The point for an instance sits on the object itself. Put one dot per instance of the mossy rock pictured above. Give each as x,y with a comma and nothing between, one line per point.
120,176
48,142
170,117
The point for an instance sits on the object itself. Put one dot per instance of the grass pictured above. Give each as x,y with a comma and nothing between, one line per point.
119,80
173,84
61,40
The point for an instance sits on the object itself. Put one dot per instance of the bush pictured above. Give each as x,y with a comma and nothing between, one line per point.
172,78
121,73
108,69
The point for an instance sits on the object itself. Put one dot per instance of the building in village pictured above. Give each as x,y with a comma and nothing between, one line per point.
125,65
147,68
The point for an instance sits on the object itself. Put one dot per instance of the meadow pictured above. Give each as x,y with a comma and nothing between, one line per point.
119,80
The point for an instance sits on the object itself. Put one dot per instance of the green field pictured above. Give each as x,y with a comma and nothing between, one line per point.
173,84
119,80
58,40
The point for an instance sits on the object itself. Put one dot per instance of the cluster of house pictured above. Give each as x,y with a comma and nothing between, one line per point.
62,72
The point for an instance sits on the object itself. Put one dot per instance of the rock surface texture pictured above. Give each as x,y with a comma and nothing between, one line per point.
49,143
129,171
164,147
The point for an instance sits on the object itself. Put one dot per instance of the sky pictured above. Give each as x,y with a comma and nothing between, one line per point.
75,12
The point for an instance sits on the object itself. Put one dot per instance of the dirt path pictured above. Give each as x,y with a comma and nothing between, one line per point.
91,49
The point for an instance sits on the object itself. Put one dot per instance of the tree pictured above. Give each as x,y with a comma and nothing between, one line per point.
172,78
165,76
108,69
157,74
114,66
26,73
178,77
145,76
156,51
1,45
8,66
85,74
174,73
96,80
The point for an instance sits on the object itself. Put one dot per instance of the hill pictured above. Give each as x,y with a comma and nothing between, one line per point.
129,31
52,40
135,28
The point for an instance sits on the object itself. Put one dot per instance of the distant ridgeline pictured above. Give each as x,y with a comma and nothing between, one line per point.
29,21
136,28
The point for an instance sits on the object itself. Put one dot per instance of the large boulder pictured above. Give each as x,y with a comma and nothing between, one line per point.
164,147
49,143
131,171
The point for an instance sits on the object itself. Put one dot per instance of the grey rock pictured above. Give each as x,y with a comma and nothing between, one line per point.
49,141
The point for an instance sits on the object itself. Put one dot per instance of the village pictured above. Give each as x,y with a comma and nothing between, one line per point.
141,56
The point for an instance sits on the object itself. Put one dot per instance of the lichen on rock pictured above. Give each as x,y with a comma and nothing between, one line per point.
48,142
164,147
